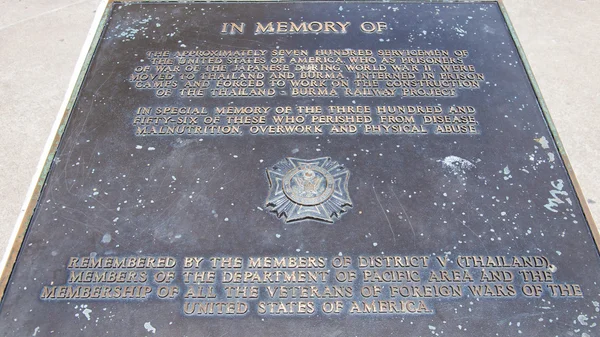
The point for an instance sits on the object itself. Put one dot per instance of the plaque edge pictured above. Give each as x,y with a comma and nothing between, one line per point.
587,213
19,231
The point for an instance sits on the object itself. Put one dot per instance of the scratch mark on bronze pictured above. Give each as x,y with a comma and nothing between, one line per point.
407,217
383,210
477,236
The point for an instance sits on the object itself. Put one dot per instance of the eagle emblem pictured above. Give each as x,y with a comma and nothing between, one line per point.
315,189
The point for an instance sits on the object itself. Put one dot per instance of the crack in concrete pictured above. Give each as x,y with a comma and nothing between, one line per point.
42,14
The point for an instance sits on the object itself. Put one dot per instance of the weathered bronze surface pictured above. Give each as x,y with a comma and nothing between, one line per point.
309,169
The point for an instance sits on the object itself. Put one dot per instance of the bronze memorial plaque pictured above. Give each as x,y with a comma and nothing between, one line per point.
304,169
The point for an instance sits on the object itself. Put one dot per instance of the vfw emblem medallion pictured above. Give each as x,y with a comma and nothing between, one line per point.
315,189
